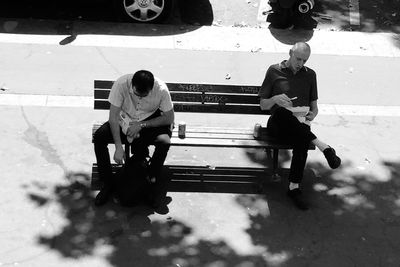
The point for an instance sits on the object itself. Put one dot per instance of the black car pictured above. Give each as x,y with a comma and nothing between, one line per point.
142,11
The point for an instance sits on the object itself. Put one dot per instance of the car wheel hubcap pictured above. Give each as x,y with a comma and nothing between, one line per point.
144,10
144,3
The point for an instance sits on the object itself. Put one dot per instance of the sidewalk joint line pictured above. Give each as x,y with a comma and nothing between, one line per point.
87,102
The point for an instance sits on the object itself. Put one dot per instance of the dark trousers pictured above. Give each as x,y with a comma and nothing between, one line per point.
157,136
286,127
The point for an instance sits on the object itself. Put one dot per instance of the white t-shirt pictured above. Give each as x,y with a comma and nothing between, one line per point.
139,108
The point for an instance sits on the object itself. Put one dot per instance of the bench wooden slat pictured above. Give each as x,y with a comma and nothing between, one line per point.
103,104
216,88
103,84
215,98
203,174
218,136
200,129
239,171
216,108
188,87
200,108
216,142
101,94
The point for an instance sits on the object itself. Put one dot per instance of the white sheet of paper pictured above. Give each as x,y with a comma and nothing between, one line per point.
300,113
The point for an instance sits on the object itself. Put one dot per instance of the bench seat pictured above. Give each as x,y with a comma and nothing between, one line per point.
208,99
221,137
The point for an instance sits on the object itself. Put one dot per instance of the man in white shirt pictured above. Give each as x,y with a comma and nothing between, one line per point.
141,103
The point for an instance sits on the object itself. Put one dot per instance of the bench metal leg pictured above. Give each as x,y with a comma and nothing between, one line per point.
127,150
275,159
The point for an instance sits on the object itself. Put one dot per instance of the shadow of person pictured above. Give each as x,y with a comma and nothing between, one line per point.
68,40
196,12
291,36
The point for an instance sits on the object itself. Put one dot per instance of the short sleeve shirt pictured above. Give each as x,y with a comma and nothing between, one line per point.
139,108
280,79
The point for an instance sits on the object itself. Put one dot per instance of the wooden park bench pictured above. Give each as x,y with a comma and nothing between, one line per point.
208,99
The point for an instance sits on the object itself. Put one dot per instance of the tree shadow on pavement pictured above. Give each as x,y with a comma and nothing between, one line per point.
128,235
354,220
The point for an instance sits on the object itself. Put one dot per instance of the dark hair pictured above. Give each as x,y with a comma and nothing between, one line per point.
143,81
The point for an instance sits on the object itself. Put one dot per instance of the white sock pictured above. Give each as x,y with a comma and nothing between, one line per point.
293,186
319,144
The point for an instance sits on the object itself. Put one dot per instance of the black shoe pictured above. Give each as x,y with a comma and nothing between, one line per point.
103,196
297,198
333,160
161,206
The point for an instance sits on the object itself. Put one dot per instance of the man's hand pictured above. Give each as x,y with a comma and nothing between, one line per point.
282,100
310,116
119,155
134,129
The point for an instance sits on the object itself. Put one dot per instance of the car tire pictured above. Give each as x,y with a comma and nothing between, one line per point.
142,11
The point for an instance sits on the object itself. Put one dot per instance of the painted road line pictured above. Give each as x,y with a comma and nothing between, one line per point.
87,102
354,12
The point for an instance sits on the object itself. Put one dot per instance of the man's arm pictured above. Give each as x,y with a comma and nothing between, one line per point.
166,118
313,111
281,100
119,155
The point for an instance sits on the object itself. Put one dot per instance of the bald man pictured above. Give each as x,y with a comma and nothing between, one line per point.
286,85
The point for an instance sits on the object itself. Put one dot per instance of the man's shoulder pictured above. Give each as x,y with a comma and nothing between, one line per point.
160,84
309,71
276,66
124,80
274,69
125,77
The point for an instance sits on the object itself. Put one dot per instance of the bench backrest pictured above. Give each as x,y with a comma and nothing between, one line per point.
209,98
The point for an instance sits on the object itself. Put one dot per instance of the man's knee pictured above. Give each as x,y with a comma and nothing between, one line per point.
97,137
102,134
163,140
162,143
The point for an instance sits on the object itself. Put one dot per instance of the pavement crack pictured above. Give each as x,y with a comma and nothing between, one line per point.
108,62
39,139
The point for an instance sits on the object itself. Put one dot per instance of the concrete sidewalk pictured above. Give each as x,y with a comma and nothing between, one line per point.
48,218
